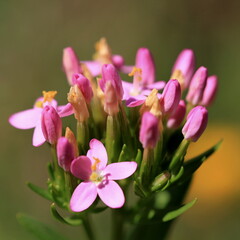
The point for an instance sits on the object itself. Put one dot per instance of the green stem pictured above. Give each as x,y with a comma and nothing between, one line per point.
82,136
88,228
117,224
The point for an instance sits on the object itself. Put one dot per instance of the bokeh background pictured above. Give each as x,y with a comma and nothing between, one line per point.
33,34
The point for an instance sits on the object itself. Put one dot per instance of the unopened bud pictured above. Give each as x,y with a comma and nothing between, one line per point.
70,63
197,86
111,105
118,61
76,98
65,153
145,61
196,123
177,117
170,97
51,124
71,138
210,91
184,67
84,85
149,131
160,181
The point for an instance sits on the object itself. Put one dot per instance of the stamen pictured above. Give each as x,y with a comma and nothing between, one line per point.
94,166
48,96
137,73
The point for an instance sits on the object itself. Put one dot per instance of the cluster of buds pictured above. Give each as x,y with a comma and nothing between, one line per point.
138,131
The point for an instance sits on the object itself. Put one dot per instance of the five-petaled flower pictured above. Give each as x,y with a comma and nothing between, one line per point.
98,178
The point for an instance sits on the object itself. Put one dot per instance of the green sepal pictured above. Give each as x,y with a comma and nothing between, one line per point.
50,171
67,220
138,160
99,209
193,164
174,178
123,156
176,213
40,191
138,190
38,229
57,196
160,181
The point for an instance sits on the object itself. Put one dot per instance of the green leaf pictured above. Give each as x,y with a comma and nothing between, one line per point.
138,158
40,230
40,191
193,164
176,213
122,156
67,220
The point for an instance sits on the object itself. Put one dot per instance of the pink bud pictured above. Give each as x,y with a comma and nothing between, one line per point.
145,61
109,73
65,153
177,117
70,63
210,91
196,123
118,61
149,131
84,85
170,97
185,62
197,86
51,124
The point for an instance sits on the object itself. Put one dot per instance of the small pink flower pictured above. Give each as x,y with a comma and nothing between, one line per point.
196,123
197,86
177,117
210,91
31,118
71,63
65,153
51,124
185,63
149,131
98,178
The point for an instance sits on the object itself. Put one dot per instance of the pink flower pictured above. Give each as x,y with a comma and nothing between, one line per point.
185,63
196,123
144,74
71,63
149,131
210,91
31,118
98,178
51,124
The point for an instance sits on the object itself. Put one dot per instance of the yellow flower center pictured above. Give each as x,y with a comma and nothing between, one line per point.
47,97
95,176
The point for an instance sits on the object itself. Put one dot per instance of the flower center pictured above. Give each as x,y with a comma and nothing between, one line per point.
47,97
96,175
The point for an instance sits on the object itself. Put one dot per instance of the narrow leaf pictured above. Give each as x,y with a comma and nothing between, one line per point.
40,230
66,220
176,213
122,156
40,191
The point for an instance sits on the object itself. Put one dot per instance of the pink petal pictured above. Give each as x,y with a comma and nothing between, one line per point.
126,69
53,103
65,110
94,67
83,196
158,85
111,194
120,170
38,138
81,167
26,119
136,101
98,151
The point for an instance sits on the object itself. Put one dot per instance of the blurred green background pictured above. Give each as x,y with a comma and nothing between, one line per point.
33,34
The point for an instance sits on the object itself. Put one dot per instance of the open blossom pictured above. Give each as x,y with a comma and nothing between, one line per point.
31,118
98,178
143,79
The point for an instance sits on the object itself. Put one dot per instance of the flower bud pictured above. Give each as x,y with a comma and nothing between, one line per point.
210,91
71,63
196,123
71,138
84,85
65,153
170,97
51,124
177,117
149,131
184,67
118,61
76,98
145,61
197,86
109,73
160,181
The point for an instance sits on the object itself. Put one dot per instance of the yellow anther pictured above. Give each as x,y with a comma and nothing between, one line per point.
177,74
49,96
39,104
136,72
94,166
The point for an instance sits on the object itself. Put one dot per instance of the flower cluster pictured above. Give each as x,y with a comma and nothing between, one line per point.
140,129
